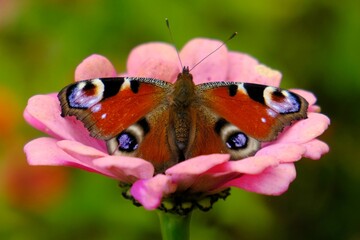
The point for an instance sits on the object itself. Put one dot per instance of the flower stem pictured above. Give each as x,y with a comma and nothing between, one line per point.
174,226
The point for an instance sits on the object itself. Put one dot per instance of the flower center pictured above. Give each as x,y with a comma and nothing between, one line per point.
181,203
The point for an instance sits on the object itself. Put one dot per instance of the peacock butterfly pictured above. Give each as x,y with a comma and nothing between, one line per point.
166,123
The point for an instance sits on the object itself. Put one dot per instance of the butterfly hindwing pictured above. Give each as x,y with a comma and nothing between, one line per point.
214,134
107,106
147,139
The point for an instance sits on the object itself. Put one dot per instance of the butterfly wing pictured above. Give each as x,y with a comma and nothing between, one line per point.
107,106
146,139
241,115
214,134
129,113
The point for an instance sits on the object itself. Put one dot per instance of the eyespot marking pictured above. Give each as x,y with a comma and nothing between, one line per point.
238,144
282,101
237,140
127,142
143,123
85,94
219,125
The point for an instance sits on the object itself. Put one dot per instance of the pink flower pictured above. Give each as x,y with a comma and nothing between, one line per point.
269,172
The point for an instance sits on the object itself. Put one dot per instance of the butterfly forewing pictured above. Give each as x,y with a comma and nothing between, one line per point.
259,111
107,106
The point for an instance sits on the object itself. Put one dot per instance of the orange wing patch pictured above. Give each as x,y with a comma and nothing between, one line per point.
123,109
254,118
107,116
205,139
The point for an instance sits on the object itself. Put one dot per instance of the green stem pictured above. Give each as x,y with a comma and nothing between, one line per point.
174,226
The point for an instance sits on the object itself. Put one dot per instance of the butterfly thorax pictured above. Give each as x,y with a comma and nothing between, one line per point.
180,113
184,89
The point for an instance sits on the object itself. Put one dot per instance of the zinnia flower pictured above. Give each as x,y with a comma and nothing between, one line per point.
195,182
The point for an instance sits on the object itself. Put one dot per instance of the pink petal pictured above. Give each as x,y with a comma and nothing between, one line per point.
80,151
150,192
273,181
197,165
314,108
267,76
241,67
187,172
126,169
154,60
213,68
94,66
315,149
211,180
309,96
252,165
244,68
284,152
305,130
43,113
44,151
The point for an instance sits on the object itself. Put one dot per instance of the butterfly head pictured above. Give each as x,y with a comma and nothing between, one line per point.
185,75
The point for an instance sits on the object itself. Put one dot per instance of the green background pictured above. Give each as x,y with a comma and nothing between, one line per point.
315,44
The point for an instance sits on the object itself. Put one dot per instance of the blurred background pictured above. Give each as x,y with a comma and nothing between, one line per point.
315,44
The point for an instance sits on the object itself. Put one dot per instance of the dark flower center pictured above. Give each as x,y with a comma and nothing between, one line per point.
181,203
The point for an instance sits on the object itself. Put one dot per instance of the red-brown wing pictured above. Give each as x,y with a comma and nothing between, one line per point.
146,139
204,139
213,134
259,111
107,106
155,149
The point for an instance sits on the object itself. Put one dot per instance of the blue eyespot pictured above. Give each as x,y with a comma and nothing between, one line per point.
127,142
237,140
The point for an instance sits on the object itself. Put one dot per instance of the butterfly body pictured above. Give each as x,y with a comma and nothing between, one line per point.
181,113
167,123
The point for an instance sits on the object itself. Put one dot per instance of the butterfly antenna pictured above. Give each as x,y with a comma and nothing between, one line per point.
173,42
221,45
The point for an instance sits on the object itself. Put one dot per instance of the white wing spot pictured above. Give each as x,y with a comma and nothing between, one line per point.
242,89
96,108
126,84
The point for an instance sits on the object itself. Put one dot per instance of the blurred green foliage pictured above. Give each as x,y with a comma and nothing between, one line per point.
315,44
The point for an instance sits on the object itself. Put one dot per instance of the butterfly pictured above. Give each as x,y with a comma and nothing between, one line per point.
167,123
